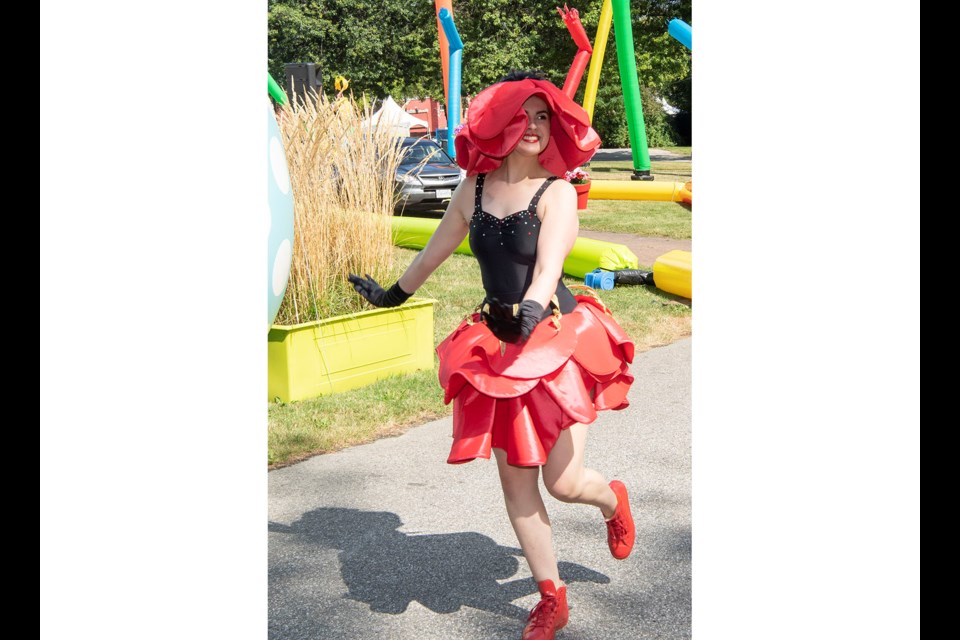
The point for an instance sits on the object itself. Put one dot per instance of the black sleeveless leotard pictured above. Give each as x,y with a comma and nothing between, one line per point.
506,249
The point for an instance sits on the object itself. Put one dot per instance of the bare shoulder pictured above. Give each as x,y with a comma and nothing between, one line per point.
468,183
559,196
466,188
562,189
462,200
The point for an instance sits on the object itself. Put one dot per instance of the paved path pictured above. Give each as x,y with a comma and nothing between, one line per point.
656,155
647,249
386,540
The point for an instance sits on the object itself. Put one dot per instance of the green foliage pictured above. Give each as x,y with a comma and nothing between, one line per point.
680,95
655,119
383,48
500,35
610,118
682,127
295,33
609,114
391,48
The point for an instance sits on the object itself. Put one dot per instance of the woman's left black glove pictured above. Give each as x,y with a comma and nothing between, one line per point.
376,295
529,314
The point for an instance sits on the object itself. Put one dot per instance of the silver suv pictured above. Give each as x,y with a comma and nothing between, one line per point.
426,176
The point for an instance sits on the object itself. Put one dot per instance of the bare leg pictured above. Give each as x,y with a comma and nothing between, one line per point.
528,515
568,480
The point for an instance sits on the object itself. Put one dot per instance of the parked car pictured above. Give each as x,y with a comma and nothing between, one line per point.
426,176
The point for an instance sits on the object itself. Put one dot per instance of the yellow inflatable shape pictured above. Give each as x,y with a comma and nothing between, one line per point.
672,273
638,190
596,60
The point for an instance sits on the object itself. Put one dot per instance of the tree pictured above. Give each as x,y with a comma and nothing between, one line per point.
381,47
391,47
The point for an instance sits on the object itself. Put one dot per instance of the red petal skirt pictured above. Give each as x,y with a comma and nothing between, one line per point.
520,397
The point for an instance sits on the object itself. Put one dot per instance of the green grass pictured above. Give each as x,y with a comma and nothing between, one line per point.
639,217
299,430
389,407
642,218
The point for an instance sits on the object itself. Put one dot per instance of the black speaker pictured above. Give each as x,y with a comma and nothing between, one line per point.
303,78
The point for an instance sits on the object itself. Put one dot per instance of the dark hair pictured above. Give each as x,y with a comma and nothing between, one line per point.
533,74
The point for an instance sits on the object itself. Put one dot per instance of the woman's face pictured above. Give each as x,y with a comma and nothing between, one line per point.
537,134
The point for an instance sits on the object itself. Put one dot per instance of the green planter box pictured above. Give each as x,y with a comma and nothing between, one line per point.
337,354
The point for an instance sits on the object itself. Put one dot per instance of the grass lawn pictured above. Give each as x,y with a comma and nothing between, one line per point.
639,217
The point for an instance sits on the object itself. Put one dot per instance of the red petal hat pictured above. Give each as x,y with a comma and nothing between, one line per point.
497,121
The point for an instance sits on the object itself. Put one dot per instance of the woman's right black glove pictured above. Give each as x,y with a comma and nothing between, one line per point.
376,295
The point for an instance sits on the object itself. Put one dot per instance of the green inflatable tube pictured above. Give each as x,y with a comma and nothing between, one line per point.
587,254
413,233
274,90
627,61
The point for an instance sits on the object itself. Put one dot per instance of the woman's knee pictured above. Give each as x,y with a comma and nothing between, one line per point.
518,483
565,488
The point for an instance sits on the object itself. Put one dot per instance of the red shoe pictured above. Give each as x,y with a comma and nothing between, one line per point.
550,614
620,531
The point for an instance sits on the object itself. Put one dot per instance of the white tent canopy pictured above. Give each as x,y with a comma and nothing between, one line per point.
392,115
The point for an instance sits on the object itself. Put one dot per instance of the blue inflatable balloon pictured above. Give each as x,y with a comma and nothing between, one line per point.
681,32
280,232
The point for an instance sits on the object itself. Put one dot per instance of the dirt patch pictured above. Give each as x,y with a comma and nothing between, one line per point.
647,250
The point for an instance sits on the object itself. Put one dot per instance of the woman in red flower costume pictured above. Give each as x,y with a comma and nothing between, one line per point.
532,367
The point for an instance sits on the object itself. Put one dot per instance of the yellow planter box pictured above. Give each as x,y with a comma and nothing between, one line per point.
337,354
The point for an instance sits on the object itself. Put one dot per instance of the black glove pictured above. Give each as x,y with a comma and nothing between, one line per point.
500,319
376,295
530,314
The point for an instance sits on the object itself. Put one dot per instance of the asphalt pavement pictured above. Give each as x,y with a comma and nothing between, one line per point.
388,541
655,155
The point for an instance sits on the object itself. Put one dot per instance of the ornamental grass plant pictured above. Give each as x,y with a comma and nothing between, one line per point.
342,176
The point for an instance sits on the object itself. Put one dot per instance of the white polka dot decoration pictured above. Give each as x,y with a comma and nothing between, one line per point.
280,227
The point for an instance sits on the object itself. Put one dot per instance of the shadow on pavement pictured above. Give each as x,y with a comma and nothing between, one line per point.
388,569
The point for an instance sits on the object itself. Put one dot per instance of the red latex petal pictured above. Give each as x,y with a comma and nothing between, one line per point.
613,395
566,386
472,426
515,431
545,351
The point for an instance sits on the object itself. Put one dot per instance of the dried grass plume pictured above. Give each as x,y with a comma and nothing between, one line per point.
342,176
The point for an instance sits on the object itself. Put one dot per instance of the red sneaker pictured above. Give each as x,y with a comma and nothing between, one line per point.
550,614
620,531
